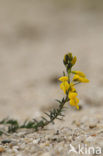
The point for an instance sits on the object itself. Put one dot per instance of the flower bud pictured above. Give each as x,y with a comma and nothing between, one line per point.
66,58
70,57
74,60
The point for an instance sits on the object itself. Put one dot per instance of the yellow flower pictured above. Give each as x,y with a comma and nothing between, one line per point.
79,76
79,73
71,87
74,102
63,78
64,86
80,79
72,95
73,99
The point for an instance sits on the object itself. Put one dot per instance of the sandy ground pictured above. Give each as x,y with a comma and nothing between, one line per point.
34,36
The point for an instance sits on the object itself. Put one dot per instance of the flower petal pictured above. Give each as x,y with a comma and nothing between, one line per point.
80,79
63,78
72,95
64,86
79,73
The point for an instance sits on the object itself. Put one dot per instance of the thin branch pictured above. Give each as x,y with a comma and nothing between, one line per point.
13,125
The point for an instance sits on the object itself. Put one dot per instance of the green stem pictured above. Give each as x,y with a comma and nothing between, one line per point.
54,114
59,110
36,125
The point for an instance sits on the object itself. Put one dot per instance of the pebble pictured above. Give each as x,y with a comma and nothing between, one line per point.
15,149
36,141
22,146
90,139
42,145
19,154
2,149
92,126
46,154
14,143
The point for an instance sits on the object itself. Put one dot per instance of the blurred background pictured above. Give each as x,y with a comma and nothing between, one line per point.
34,36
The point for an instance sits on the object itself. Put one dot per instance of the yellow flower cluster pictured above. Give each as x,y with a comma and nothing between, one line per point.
66,85
69,89
79,76
73,99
